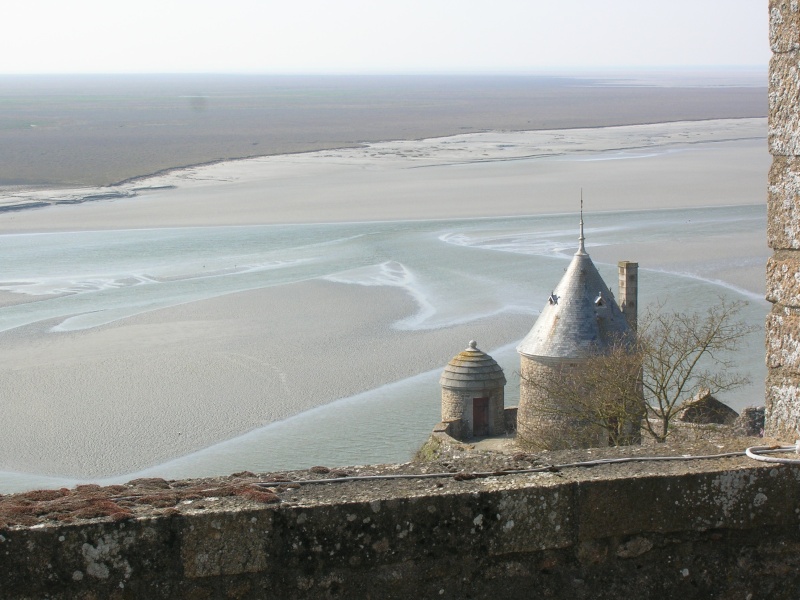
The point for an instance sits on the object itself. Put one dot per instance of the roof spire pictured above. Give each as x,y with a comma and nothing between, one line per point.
581,248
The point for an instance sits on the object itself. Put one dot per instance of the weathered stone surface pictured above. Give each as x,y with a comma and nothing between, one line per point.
750,422
223,543
782,406
783,279
97,560
544,422
723,528
783,204
783,341
782,410
732,499
784,25
784,109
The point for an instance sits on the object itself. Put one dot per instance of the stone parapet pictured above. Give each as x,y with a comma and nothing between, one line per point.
721,528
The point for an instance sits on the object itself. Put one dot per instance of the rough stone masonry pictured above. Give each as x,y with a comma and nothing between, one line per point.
783,225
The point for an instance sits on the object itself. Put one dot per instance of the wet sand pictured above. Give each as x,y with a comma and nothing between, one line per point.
62,131
665,165
172,381
165,383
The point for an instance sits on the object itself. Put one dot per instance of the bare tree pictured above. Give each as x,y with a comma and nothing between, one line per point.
603,398
684,353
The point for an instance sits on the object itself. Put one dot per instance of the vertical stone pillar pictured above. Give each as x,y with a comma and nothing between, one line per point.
629,291
783,224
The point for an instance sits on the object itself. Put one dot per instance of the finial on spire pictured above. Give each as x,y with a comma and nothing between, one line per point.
581,248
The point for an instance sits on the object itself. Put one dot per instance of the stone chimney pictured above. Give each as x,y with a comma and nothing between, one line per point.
628,291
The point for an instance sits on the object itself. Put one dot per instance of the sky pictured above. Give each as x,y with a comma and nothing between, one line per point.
377,36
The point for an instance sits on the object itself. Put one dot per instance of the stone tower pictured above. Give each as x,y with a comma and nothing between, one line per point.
473,394
580,319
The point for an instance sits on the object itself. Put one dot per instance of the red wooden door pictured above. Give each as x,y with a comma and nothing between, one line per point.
480,416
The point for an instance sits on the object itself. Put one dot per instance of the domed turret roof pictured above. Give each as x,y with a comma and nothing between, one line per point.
472,369
581,316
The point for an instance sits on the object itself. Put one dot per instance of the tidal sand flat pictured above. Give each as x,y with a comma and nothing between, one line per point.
663,165
120,397
212,304
84,130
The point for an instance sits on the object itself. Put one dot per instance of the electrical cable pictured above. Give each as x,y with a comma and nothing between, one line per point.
754,452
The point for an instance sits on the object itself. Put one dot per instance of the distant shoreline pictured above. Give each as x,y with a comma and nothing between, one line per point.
364,143
169,170
193,195
95,131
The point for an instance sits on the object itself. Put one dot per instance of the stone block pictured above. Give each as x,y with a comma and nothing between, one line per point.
733,499
527,520
784,25
783,204
783,279
216,544
784,108
782,407
783,340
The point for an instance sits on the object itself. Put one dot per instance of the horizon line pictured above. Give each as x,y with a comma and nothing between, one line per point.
533,71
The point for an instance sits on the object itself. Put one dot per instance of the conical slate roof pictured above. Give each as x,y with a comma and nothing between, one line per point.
472,369
581,316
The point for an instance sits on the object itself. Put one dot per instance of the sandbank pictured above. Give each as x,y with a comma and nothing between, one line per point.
172,381
663,165
63,131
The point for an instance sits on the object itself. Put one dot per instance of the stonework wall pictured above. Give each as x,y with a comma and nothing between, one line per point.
457,406
783,226
497,417
542,421
705,529
453,407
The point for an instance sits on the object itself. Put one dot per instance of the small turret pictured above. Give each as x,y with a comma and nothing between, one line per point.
473,400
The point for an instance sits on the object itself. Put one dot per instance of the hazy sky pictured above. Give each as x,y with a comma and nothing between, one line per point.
280,36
